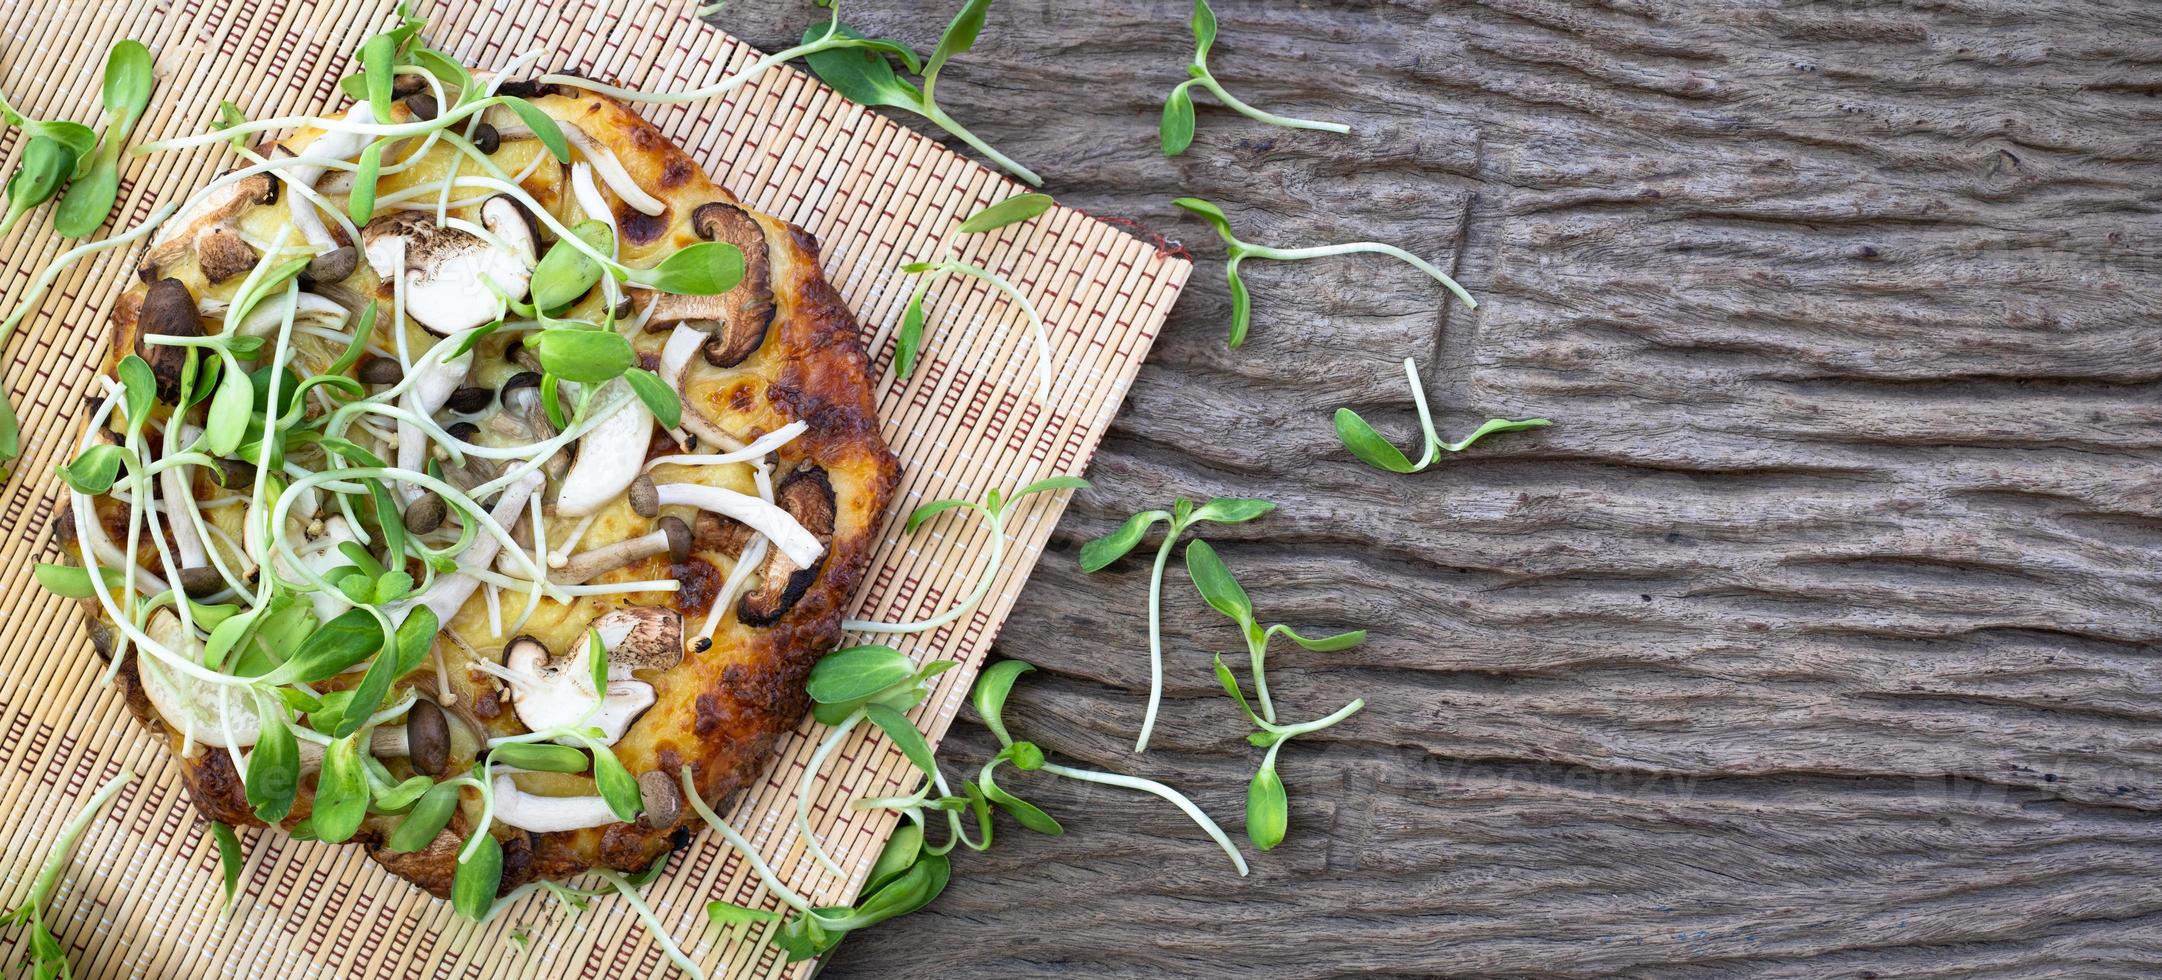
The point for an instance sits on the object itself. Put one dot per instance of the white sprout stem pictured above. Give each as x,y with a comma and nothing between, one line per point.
722,87
323,123
1159,789
1287,732
803,792
937,115
996,524
1378,248
49,875
1257,653
1258,115
750,854
52,272
1426,416
1156,637
652,922
1035,322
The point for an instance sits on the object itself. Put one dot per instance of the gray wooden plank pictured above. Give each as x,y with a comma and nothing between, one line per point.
1817,638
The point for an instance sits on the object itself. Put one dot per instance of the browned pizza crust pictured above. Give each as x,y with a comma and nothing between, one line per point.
722,711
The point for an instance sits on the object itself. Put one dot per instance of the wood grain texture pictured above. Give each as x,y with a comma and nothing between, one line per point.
1817,638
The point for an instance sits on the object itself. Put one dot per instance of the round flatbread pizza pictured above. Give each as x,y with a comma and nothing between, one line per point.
474,475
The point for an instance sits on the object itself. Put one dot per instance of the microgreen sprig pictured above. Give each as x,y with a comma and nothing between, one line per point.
1267,806
1177,129
126,93
1239,251
46,958
909,341
1213,579
989,699
993,510
1369,445
864,76
1101,552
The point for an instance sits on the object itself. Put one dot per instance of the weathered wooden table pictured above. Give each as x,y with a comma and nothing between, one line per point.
1817,637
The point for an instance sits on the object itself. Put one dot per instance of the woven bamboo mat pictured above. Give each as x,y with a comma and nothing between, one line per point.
141,896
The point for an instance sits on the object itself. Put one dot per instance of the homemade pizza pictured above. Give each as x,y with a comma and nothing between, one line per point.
472,477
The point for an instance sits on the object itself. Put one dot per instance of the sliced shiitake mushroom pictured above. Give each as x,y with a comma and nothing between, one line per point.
750,313
738,319
807,496
168,310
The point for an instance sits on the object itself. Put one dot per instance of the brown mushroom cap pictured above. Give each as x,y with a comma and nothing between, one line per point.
333,266
222,254
679,538
381,371
425,514
662,798
740,317
427,737
200,580
168,310
645,499
807,496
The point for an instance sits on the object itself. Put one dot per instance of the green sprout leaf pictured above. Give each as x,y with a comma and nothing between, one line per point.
1268,811
230,858
858,672
543,125
703,269
473,887
1013,210
659,398
341,792
1215,582
1374,450
582,355
540,757
273,769
426,820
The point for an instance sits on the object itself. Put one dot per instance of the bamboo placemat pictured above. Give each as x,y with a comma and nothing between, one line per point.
141,896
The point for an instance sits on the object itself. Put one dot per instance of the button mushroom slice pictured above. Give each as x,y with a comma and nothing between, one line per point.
552,692
454,280
775,522
168,310
430,390
190,707
807,496
548,814
505,218
322,556
609,456
640,638
210,228
670,536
